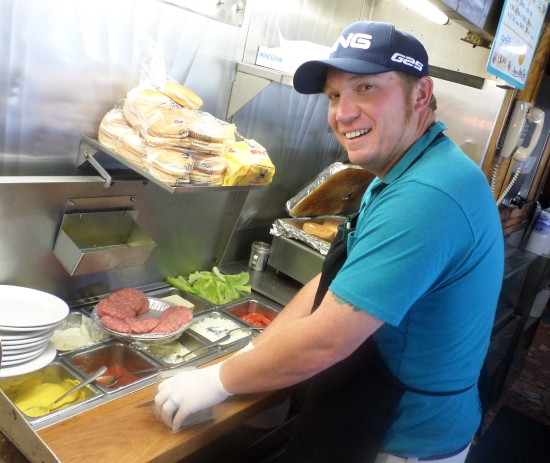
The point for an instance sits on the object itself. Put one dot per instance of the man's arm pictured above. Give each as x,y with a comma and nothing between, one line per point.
299,307
306,346
293,353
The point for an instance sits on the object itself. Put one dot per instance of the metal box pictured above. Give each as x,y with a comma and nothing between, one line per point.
295,259
98,241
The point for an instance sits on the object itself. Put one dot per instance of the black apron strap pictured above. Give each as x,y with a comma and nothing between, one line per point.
335,258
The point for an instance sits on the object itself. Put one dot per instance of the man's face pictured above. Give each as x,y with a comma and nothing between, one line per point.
372,117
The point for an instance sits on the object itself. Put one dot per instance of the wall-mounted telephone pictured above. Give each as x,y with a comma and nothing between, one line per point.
523,115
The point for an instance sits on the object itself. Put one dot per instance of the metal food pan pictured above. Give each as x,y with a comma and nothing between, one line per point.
118,358
78,319
171,354
217,318
54,373
240,309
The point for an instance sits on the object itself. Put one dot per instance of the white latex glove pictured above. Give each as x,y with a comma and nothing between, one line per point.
188,392
246,348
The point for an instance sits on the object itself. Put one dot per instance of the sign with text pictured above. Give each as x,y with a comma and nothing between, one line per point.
516,39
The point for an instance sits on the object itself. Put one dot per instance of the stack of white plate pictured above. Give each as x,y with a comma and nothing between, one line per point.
28,319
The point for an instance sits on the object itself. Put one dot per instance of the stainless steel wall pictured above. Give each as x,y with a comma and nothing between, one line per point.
64,64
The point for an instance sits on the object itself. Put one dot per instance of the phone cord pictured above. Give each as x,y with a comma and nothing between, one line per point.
494,173
505,192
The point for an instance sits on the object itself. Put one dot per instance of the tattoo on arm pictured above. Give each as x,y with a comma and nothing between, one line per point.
341,301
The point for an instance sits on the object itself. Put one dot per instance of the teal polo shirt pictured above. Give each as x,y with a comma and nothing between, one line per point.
427,258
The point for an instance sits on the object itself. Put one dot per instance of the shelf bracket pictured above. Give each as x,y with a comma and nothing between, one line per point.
250,81
86,152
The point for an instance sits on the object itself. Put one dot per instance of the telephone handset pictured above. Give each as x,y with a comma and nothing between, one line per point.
523,115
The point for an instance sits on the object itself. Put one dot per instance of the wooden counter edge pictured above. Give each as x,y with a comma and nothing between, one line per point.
127,430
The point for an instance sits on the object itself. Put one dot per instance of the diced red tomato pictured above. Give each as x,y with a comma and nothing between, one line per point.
256,319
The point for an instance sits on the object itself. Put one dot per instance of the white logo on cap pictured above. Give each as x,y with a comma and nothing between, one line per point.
407,61
354,41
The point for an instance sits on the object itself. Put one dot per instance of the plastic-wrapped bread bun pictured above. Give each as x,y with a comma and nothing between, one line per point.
158,115
144,106
182,95
188,143
171,161
211,165
118,136
200,178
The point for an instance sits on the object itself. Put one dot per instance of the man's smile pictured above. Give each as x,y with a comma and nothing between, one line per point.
356,133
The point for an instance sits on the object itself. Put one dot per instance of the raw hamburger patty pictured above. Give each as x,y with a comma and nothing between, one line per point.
142,325
115,324
114,309
119,312
166,326
177,313
133,298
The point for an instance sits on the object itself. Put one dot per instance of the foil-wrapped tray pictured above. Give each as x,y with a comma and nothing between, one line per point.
292,228
331,192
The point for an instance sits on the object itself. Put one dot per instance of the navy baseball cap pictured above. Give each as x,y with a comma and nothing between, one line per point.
365,47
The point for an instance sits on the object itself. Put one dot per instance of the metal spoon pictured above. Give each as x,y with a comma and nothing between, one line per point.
220,329
39,410
110,381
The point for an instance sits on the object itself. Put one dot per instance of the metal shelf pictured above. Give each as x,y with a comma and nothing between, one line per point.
89,147
516,260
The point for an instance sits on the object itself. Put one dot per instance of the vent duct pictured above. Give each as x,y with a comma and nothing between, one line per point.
478,16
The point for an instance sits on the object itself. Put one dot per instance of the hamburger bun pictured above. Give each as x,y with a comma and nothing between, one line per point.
332,224
116,147
169,179
209,164
319,230
200,178
186,144
186,122
172,162
182,95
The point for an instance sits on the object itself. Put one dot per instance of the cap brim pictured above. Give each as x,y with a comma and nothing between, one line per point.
310,77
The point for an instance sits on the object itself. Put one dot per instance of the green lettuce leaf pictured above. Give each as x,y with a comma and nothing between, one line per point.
214,286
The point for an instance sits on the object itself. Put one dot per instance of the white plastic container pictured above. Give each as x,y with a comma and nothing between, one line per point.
539,240
540,303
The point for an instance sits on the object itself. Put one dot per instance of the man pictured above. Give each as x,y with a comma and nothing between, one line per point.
395,330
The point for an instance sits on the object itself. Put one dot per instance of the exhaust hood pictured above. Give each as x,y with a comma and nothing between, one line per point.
477,16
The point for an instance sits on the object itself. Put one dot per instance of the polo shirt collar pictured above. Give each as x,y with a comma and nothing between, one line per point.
414,152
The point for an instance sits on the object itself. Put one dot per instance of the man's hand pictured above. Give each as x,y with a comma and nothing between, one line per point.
188,392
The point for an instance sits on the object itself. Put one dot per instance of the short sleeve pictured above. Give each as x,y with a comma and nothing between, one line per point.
409,240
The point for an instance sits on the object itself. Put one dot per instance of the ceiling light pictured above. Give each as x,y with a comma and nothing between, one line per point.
428,10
